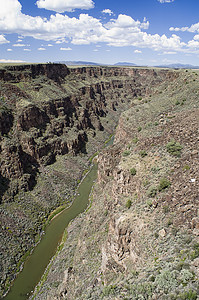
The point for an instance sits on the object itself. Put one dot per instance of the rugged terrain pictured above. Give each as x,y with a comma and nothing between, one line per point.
52,120
140,238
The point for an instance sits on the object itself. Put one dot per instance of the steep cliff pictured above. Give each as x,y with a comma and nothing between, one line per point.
140,238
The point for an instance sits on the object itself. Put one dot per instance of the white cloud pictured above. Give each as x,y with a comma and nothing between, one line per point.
3,40
50,45
9,50
169,52
107,11
65,49
95,50
18,45
11,61
41,49
166,1
65,5
137,51
26,49
193,28
83,30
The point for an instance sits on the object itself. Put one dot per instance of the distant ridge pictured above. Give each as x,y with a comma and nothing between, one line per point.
124,64
89,63
78,63
178,66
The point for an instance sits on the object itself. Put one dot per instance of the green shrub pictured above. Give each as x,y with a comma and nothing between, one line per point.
163,184
126,153
128,203
135,140
143,153
195,252
139,128
149,202
152,191
189,295
186,168
133,171
174,148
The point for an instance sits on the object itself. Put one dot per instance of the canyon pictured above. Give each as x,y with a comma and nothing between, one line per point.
139,239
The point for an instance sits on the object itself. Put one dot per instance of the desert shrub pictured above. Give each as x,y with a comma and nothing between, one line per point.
163,184
149,202
139,128
142,290
195,252
135,140
133,171
186,276
126,153
174,148
189,295
109,290
143,153
186,168
128,203
152,191
166,280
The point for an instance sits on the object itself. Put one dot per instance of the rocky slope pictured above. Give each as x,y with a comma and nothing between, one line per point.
140,238
52,119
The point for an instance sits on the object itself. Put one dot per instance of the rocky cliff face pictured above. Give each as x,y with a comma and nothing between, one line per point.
140,238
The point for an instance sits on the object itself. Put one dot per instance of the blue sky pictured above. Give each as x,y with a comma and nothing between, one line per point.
145,32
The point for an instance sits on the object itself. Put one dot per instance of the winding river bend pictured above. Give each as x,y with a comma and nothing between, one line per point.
36,264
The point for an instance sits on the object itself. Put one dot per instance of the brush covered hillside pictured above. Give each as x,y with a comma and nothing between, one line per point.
139,240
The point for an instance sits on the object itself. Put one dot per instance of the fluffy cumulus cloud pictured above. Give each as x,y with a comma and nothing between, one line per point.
193,28
65,5
85,29
107,11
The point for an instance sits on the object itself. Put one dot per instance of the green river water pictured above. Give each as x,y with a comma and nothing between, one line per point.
36,263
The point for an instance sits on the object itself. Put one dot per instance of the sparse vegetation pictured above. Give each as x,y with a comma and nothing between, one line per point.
143,153
163,184
152,191
128,203
126,153
133,171
174,148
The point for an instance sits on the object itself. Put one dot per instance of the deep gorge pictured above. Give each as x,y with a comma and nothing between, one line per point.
53,119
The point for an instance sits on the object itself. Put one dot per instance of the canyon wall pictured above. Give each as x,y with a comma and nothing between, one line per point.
52,119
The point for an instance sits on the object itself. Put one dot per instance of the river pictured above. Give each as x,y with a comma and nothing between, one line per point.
37,262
